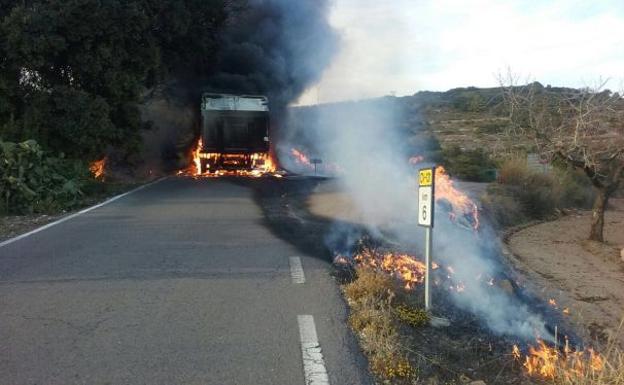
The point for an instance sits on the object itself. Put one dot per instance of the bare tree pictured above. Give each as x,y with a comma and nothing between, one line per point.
583,127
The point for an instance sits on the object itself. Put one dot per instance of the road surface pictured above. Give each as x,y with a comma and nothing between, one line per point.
178,283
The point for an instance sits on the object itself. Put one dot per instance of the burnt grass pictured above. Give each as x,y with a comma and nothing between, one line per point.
462,352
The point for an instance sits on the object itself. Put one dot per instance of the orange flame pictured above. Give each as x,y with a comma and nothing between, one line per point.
300,157
260,163
196,157
549,363
461,203
405,267
97,168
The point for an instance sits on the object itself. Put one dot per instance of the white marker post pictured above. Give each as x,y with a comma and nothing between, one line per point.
426,203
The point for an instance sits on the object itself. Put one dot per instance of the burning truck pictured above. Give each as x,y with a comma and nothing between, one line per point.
234,137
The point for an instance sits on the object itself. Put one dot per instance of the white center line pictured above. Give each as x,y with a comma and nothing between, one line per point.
314,370
296,270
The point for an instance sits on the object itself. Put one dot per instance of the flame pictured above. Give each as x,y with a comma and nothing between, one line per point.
405,267
549,363
98,167
552,303
196,157
460,202
300,157
261,163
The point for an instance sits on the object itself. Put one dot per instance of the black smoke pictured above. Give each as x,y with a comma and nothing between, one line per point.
276,48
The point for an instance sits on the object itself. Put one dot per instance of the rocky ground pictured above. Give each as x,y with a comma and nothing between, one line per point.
585,277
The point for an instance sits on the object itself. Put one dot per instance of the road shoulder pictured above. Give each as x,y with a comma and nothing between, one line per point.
581,278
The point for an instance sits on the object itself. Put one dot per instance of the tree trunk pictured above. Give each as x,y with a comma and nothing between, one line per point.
597,223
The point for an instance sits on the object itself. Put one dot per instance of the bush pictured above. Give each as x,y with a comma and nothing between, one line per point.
473,165
32,181
414,317
522,194
501,207
513,172
491,127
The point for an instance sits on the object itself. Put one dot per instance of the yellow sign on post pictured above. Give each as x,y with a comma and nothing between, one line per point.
425,197
425,177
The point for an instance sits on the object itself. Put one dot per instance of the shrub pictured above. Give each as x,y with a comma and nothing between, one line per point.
412,316
491,127
522,194
32,181
470,165
502,207
513,172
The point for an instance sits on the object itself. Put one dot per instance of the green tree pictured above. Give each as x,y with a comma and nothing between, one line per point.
73,71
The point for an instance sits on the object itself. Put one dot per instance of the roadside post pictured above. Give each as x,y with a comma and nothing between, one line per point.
315,162
426,204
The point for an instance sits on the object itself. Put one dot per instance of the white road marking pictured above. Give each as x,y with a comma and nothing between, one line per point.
314,370
296,270
74,215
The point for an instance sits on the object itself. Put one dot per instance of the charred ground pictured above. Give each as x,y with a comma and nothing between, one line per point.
465,349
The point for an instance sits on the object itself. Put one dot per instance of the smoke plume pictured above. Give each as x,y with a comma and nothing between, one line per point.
275,48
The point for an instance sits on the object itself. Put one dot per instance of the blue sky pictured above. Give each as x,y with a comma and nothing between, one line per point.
404,46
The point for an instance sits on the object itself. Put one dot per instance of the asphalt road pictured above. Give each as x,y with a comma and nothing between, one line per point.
179,283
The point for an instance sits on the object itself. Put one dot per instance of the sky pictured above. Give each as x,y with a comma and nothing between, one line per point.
404,46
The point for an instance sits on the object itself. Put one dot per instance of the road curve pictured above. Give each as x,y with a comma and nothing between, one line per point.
179,283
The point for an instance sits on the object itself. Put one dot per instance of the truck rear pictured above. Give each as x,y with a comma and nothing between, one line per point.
234,133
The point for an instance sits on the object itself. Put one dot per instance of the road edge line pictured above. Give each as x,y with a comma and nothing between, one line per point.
314,371
74,215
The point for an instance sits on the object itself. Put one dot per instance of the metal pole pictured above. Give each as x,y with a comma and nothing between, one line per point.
428,242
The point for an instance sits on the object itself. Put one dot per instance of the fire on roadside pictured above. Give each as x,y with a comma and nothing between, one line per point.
549,362
98,168
461,204
554,305
300,157
409,270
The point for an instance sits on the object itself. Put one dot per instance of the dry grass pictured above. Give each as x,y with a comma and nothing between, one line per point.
612,372
513,171
373,318
589,368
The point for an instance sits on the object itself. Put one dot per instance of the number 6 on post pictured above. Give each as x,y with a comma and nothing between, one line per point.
425,197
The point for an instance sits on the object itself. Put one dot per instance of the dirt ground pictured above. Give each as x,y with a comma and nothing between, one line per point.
14,225
583,276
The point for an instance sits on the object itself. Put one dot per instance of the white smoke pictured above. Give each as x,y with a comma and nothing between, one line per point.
372,146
